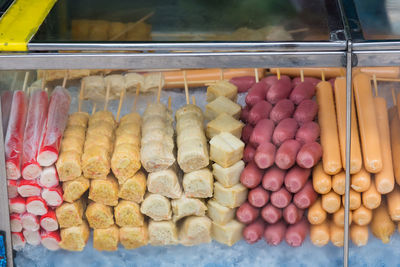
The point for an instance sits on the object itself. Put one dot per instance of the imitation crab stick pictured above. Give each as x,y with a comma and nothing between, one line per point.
381,225
369,133
329,133
340,100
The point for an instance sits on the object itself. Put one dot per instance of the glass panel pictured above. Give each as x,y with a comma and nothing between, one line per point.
175,21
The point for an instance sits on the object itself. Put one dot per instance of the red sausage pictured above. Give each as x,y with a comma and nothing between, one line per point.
248,153
309,155
246,133
296,233
273,179
312,80
244,114
265,155
259,111
246,213
286,155
292,214
254,232
256,93
305,197
251,175
305,111
243,83
285,130
302,91
271,214
271,80
278,91
281,198
262,132
308,132
282,110
258,197
274,233
296,178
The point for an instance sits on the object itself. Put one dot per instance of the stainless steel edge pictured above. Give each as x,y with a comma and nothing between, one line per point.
209,46
377,58
376,45
170,60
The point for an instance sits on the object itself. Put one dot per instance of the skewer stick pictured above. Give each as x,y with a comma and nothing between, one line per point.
107,96
131,26
256,75
169,102
278,74
25,81
387,80
375,85
221,75
193,100
64,83
94,108
81,96
44,79
121,100
14,81
394,97
159,88
136,97
323,76
302,75
186,88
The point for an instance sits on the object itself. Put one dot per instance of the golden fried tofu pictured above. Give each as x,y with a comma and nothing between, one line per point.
230,176
101,128
103,141
198,183
99,215
134,188
104,191
70,214
134,237
128,128
186,206
125,161
69,166
231,197
165,183
133,117
127,213
127,139
78,119
163,233
75,131
96,162
72,144
102,116
106,239
156,207
158,135
193,155
195,230
74,189
75,238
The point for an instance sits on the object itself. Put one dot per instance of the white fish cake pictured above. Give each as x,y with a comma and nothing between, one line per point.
220,105
230,176
165,183
185,206
195,230
218,213
231,197
116,82
190,134
95,87
227,234
157,207
189,109
163,233
226,149
198,183
193,155
159,135
132,80
156,156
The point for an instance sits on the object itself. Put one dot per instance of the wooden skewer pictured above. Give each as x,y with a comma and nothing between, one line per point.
94,108
302,75
256,75
64,83
25,81
221,75
107,96
14,81
388,80
375,84
394,97
44,79
278,74
186,88
136,97
322,76
169,102
298,30
193,100
159,88
81,95
131,26
121,101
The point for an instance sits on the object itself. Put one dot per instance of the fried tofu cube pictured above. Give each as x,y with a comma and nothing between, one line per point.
195,230
193,155
96,162
69,166
220,105
231,197
134,237
156,207
224,123
227,234
230,176
218,213
127,213
163,233
226,149
104,191
221,88
186,206
134,188
165,183
70,214
125,161
78,119
198,183
106,239
73,190
99,215
75,238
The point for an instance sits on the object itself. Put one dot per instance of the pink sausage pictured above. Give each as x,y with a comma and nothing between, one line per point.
309,155
262,132
292,214
265,155
271,214
296,233
302,91
296,178
274,233
259,111
278,91
271,80
251,175
254,231
243,83
244,114
312,80
282,110
256,93
273,179
258,197
246,133
246,213
281,198
286,155
285,130
305,111
248,153
305,197
308,132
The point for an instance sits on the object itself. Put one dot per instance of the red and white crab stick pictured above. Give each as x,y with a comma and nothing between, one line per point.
55,126
50,240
